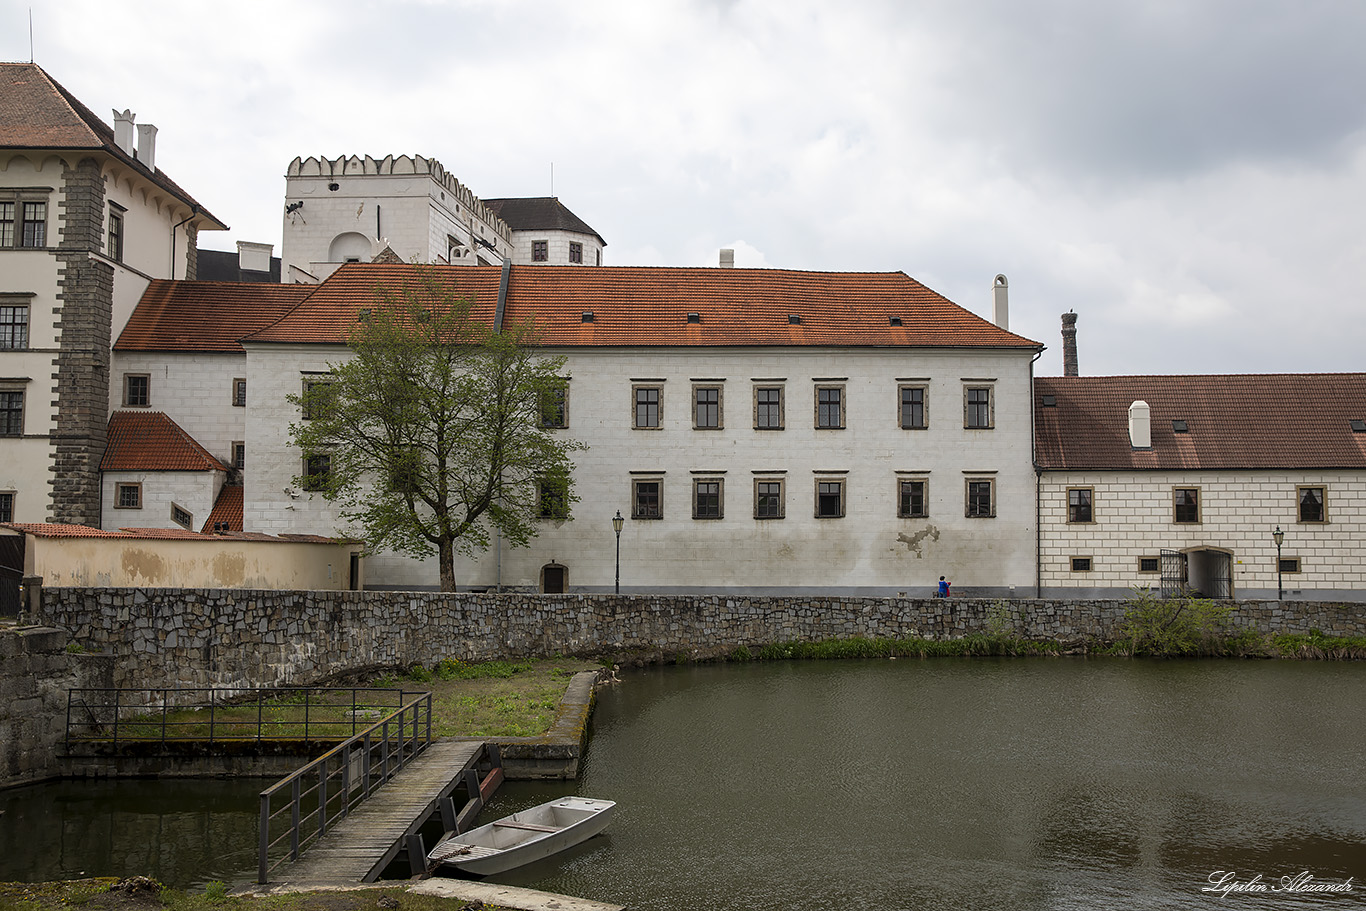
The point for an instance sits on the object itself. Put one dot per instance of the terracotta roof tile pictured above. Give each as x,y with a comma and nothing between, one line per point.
649,306
150,441
227,508
1249,421
52,530
205,316
539,213
38,113
49,530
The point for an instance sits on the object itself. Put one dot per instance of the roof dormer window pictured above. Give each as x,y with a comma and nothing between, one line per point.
1179,427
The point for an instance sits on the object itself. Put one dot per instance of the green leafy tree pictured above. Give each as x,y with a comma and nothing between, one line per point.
432,436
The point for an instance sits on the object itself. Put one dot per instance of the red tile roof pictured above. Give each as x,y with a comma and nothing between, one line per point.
1253,421
227,508
649,306
150,441
205,316
49,530
38,113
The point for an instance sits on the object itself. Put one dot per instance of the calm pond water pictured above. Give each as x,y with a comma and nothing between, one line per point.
955,784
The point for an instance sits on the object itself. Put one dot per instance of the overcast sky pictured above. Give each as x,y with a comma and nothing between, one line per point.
1189,176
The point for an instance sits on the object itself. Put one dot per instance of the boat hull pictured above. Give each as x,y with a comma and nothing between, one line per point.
524,837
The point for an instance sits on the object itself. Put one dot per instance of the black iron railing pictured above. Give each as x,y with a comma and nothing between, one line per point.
302,806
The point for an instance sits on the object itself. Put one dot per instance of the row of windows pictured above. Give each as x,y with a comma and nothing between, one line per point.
1310,504
1154,564
137,387
768,407
129,496
23,221
540,252
770,498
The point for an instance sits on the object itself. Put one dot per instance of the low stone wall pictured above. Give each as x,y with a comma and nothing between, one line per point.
35,673
246,639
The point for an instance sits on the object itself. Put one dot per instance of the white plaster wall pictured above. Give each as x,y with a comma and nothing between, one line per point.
146,225
194,390
870,548
1238,510
557,247
194,491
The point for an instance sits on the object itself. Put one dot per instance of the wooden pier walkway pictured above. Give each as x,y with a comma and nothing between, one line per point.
358,848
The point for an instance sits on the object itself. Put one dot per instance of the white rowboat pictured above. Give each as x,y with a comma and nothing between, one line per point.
525,836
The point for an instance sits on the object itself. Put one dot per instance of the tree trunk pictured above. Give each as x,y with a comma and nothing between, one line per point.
446,550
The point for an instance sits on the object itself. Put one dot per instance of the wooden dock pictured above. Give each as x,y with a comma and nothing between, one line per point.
358,848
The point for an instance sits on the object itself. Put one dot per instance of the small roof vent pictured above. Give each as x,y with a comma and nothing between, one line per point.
1358,425
694,317
1179,427
793,319
1050,401
894,321
586,316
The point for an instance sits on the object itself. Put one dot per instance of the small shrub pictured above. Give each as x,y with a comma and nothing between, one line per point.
75,648
1173,627
741,653
216,891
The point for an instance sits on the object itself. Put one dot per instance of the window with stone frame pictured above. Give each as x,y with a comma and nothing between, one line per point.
912,502
540,251
182,516
1186,505
239,455
575,252
829,407
551,500
1079,505
555,408
1081,564
829,499
978,413
6,506
239,392
707,498
128,496
1288,565
11,413
317,471
318,398
137,390
981,498
706,410
7,233
768,407
1313,504
33,224
768,498
23,217
114,245
1150,564
647,499
912,407
648,407
13,325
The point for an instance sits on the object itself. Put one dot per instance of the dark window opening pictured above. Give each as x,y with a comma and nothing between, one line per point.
912,505
646,500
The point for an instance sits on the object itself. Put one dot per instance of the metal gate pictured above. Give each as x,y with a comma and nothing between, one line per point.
1221,574
11,574
1173,573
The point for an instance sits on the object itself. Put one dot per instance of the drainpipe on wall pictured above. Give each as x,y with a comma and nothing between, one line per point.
194,210
1038,483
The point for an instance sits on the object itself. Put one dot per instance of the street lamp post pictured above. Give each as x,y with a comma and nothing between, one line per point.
617,522
1278,536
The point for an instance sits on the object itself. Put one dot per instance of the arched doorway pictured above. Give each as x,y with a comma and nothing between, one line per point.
554,579
1203,571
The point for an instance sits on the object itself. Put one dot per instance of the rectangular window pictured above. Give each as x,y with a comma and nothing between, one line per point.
555,408
911,499
319,397
706,498
7,506
977,408
14,327
575,252
1312,502
647,499
1289,565
768,407
317,471
830,407
706,408
829,499
239,392
1081,564
1079,504
115,246
1149,564
6,224
540,251
128,496
647,407
768,499
34,224
912,407
11,414
1186,505
136,390
550,500
182,517
239,455
981,502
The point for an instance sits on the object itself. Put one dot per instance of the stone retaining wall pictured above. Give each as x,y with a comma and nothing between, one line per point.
227,638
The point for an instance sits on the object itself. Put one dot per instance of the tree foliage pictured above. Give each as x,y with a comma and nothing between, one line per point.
430,436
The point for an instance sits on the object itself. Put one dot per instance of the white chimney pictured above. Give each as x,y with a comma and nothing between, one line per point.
1000,305
123,130
1140,427
254,257
727,259
147,145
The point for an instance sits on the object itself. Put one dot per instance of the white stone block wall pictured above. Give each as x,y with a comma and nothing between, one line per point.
193,491
194,390
25,466
557,247
1238,510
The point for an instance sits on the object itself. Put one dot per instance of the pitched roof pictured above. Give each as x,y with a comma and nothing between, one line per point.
1252,421
41,114
649,306
51,530
539,213
150,441
205,316
227,508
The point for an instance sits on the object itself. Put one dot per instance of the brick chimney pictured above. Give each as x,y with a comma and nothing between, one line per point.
727,259
1069,344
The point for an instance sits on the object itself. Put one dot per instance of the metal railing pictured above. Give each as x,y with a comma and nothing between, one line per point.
161,714
328,788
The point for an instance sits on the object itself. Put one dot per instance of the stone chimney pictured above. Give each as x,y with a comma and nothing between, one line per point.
727,259
254,257
147,146
1140,426
1069,345
123,130
1000,304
